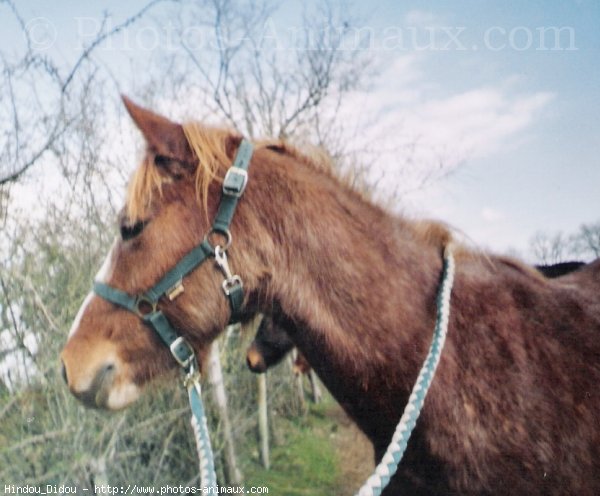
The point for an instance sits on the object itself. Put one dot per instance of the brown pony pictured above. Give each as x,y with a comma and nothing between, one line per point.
514,407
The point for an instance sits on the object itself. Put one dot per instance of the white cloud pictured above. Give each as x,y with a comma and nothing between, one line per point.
419,133
477,122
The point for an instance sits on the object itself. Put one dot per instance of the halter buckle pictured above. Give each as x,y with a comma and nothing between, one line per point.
235,182
181,347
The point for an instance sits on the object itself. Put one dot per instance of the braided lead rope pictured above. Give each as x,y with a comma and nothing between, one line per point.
208,477
389,463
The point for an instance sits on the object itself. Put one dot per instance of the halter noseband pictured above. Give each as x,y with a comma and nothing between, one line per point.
145,305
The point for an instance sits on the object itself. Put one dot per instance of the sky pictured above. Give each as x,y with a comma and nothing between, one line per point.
503,95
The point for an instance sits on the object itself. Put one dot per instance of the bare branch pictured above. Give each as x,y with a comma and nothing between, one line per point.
33,69
100,38
9,305
54,135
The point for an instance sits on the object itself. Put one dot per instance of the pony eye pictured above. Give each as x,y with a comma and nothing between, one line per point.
162,160
130,232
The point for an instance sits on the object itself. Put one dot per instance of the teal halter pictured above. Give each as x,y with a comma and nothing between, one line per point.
145,305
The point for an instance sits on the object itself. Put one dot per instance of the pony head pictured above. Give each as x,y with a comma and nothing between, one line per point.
270,345
110,353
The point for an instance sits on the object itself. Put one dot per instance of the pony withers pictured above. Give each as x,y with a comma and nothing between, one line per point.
514,403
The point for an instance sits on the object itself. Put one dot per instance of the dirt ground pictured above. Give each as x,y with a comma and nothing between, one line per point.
354,451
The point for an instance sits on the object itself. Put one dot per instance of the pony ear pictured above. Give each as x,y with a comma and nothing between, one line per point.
163,137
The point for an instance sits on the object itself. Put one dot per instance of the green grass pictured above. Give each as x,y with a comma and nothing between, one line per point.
305,463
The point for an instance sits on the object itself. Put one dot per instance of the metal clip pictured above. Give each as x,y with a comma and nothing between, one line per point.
230,279
229,284
221,259
192,377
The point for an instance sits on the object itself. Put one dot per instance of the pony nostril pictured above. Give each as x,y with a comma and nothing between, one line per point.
96,395
105,372
63,372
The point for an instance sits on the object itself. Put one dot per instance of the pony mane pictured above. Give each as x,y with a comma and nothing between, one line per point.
144,182
209,146
430,232
315,157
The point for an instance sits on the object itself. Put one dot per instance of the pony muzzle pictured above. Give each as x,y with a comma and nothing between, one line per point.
99,384
255,361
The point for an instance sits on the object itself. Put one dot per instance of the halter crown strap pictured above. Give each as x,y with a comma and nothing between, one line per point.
234,185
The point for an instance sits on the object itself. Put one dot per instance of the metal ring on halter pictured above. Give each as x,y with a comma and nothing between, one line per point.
143,301
223,232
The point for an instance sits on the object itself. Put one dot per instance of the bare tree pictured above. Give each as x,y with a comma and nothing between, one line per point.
550,249
266,80
560,247
233,474
35,90
586,242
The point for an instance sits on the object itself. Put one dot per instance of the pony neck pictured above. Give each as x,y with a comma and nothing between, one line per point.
354,286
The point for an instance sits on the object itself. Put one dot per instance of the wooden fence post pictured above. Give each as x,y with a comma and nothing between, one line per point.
314,385
232,472
263,421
